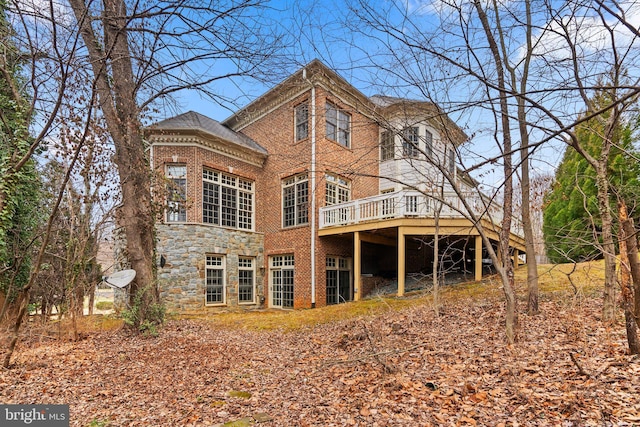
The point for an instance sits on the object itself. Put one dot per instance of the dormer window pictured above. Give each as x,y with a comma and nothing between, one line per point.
338,125
302,121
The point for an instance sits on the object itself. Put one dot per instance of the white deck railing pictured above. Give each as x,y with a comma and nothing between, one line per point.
411,204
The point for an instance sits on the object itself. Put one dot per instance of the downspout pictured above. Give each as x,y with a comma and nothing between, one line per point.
313,195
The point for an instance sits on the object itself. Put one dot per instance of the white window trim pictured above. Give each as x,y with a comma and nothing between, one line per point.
337,260
219,181
387,136
341,116
337,182
411,149
294,181
287,262
297,137
252,269
223,267
171,178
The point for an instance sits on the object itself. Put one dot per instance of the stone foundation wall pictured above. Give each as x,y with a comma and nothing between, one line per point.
184,248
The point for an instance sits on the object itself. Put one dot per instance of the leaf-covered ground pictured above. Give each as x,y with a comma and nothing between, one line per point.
399,368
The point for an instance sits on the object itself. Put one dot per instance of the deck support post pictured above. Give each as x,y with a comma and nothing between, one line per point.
401,261
478,263
357,266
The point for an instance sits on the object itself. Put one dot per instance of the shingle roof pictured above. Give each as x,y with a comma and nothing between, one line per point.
199,122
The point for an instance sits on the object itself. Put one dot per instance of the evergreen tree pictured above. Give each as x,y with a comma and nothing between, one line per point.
571,221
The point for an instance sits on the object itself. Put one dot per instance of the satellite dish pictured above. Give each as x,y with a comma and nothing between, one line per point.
120,279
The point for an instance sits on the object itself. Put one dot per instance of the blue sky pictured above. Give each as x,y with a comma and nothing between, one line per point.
328,30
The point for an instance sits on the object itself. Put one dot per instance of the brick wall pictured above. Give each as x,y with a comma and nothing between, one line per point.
275,132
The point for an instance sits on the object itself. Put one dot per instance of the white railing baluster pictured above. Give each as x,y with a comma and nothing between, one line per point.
409,203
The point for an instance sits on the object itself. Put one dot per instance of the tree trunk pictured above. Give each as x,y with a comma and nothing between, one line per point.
625,283
511,316
631,241
608,246
117,94
529,240
436,263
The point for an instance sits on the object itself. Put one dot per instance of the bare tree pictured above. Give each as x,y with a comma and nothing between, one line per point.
531,65
132,49
134,57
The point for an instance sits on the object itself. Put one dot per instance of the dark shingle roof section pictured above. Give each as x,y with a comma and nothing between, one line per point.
199,122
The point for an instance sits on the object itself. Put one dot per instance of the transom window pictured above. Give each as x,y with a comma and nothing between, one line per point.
177,193
387,145
215,280
410,142
295,200
338,190
302,121
227,200
281,282
338,125
246,280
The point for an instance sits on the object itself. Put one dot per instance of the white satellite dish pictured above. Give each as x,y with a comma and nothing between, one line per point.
120,279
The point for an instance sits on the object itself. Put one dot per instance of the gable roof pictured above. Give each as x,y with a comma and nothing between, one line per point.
314,73
192,122
379,108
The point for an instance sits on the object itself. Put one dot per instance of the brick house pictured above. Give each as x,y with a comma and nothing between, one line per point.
306,196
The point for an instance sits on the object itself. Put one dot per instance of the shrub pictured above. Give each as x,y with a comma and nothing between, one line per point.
144,315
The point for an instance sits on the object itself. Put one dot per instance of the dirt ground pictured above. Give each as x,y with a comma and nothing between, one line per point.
399,368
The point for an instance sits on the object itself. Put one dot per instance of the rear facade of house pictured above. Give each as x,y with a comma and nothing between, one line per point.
311,195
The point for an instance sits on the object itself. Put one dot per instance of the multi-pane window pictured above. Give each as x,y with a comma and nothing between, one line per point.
387,145
338,125
428,143
302,121
214,277
410,142
338,190
177,193
295,200
338,279
246,280
227,200
451,160
282,273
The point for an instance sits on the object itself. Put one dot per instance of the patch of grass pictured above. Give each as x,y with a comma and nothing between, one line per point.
104,305
297,319
554,281
85,325
587,277
239,394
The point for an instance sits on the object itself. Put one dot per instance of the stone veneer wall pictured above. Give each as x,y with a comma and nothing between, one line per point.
185,247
